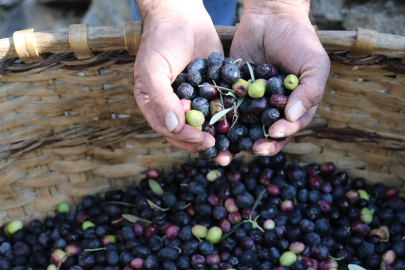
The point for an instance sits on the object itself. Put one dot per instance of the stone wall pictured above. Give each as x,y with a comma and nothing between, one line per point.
385,16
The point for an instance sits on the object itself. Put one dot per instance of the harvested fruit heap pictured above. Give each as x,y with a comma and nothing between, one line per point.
257,214
236,106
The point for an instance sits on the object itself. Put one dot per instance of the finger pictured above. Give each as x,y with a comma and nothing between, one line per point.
224,158
265,147
153,77
283,128
207,142
310,90
189,147
187,134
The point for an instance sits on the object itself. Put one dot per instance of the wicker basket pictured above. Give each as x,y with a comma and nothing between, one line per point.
70,126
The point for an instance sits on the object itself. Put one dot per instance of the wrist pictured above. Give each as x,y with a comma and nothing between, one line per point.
278,7
157,9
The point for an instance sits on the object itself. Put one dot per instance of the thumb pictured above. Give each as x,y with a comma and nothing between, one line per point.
154,80
308,93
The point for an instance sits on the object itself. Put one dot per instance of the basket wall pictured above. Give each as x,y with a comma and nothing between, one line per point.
71,127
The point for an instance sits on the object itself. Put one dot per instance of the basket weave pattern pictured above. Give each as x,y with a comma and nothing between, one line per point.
70,125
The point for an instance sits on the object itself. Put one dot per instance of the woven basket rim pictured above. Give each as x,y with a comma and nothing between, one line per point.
113,38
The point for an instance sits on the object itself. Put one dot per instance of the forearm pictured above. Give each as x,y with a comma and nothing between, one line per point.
158,7
278,6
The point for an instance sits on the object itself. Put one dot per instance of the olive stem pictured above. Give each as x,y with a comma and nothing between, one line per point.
264,132
179,249
218,87
187,205
62,260
337,259
254,222
96,249
199,239
237,61
305,73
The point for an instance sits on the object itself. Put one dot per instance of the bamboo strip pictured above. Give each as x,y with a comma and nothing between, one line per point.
111,38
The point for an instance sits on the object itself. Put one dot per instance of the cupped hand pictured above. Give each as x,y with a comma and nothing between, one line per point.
280,33
174,34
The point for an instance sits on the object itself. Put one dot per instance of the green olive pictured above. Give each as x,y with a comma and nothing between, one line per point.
195,118
52,267
366,216
14,226
257,89
214,234
364,194
213,175
87,224
291,82
288,258
63,208
199,231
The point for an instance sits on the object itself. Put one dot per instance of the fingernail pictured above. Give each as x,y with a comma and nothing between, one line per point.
171,121
296,110
264,152
193,141
278,135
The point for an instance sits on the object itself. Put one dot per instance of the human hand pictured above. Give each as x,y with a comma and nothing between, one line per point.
279,32
174,34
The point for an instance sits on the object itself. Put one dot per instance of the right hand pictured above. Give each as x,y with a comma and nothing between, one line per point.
174,34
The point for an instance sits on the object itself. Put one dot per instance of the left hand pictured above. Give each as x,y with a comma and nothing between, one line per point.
279,32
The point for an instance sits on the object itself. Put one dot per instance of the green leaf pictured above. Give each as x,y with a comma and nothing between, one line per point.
218,116
234,228
121,203
355,267
156,188
295,200
134,219
252,74
240,102
117,221
259,198
383,266
157,207
232,95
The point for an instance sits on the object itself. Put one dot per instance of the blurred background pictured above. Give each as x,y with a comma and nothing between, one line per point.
385,16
